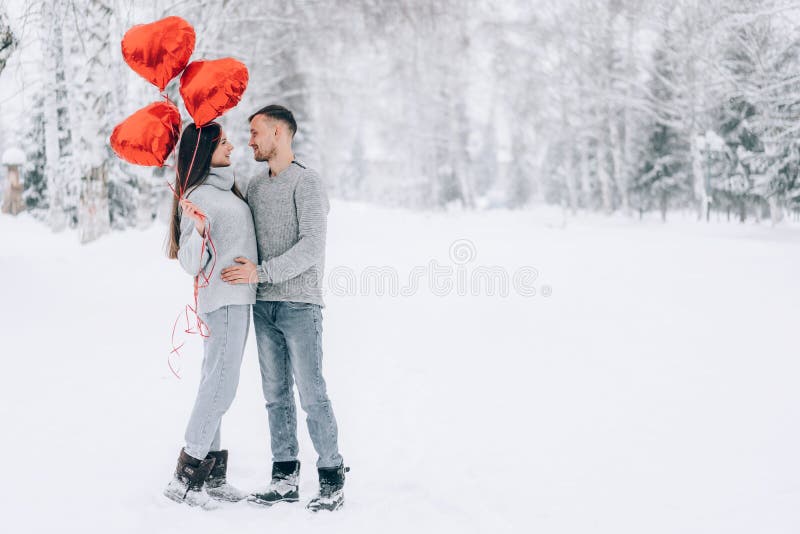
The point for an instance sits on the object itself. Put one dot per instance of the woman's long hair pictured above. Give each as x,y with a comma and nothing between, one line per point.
196,147
194,163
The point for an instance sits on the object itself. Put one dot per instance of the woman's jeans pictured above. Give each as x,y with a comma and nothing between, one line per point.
222,360
289,336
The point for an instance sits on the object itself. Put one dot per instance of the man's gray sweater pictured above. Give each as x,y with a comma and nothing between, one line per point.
290,213
230,225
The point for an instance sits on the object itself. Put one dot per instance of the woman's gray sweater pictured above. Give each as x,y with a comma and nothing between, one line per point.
229,222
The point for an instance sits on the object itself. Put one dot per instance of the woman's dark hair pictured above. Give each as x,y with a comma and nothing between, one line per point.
195,149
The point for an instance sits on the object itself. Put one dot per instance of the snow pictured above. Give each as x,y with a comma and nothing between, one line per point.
655,389
13,156
713,141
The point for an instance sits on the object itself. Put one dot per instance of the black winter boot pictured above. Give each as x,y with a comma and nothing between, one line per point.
282,488
217,483
186,485
331,489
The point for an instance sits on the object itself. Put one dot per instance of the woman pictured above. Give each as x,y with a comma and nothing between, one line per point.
206,233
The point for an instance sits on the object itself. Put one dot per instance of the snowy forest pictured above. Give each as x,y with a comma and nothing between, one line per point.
634,107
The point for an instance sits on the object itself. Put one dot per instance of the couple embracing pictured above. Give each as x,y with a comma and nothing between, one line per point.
270,242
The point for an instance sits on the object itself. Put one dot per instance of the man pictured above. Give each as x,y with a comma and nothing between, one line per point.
290,208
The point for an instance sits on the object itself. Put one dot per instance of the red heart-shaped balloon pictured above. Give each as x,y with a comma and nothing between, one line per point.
160,50
210,88
148,136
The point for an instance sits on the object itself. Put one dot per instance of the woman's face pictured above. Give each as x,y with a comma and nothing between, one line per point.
222,155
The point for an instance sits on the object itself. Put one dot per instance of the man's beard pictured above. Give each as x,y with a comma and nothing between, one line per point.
260,157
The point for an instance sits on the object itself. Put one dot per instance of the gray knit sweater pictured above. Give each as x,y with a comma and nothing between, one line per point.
230,225
290,212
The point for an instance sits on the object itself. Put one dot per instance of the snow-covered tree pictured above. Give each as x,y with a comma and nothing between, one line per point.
761,60
687,68
7,39
35,183
91,94
608,105
61,171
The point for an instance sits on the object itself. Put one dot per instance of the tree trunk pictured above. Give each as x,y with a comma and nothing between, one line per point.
698,177
586,175
601,164
54,102
93,215
616,138
144,202
569,169
775,209
628,118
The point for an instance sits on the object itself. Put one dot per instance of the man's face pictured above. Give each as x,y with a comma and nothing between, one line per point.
263,138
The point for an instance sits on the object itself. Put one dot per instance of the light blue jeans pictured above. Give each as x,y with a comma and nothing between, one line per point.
222,360
289,336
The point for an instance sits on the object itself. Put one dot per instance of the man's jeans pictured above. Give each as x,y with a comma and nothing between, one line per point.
222,360
289,336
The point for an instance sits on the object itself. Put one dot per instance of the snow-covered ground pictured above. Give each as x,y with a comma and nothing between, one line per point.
650,385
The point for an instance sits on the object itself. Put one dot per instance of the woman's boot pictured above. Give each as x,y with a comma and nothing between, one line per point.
217,483
187,484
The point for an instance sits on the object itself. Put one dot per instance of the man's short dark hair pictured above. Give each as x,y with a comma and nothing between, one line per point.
280,113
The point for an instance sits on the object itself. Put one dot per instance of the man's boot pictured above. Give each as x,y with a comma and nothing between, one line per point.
331,489
284,485
217,483
187,484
